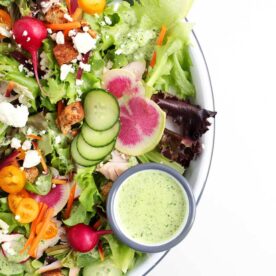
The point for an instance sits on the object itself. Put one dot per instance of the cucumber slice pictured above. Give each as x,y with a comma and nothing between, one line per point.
78,158
11,250
8,268
93,153
101,110
106,268
99,138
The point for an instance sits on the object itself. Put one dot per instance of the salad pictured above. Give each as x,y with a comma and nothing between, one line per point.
86,90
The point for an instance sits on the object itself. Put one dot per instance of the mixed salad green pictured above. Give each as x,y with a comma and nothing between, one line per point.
85,90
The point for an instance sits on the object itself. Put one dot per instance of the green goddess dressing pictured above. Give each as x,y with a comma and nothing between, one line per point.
151,207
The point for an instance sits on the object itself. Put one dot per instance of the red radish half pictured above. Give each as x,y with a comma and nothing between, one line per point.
120,82
29,33
56,198
84,238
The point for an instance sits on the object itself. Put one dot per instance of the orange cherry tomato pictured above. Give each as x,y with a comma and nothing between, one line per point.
5,20
92,6
27,210
15,199
12,179
51,230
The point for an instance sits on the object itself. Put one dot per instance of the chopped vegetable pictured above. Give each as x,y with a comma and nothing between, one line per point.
51,230
27,210
92,6
12,179
70,201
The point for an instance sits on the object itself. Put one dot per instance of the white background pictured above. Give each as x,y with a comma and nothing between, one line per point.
235,229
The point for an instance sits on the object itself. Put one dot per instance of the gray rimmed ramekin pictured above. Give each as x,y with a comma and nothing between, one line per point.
145,247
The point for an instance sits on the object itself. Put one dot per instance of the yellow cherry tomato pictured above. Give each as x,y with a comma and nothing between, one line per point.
51,230
92,6
27,210
5,21
12,179
15,199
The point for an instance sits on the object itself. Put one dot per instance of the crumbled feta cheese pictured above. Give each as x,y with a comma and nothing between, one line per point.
79,57
42,132
25,33
79,82
28,39
53,36
30,131
85,67
58,140
60,38
68,17
20,67
27,145
32,159
116,6
85,29
4,31
49,31
107,20
54,186
47,4
74,61
15,116
15,143
17,217
118,52
72,33
65,69
84,43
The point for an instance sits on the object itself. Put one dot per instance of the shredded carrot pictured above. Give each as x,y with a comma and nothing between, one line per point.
159,42
10,87
77,15
39,236
21,154
101,251
57,181
70,201
92,33
42,210
161,36
42,161
66,33
35,137
64,26
153,60
97,224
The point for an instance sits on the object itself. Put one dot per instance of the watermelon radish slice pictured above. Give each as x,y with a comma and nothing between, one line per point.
11,250
120,82
142,126
56,198
138,68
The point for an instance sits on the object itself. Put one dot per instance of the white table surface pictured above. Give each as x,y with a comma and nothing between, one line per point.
235,229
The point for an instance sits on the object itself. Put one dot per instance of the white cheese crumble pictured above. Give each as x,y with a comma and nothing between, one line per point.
27,145
72,33
79,82
54,186
118,52
85,67
65,69
49,31
116,6
28,39
107,20
58,140
85,29
84,43
15,116
25,33
42,132
32,159
68,17
17,217
60,38
15,143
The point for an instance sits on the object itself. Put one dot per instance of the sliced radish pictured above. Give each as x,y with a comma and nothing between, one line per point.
9,238
121,82
56,198
142,126
138,68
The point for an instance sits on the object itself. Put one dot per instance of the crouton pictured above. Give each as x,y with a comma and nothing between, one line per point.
71,114
55,15
31,174
65,53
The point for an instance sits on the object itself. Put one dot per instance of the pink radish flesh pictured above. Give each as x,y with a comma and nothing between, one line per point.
84,238
29,33
56,198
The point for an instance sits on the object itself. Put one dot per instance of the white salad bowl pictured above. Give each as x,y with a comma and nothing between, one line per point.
198,171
